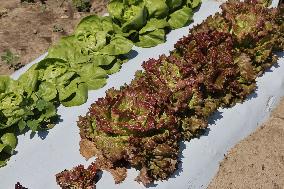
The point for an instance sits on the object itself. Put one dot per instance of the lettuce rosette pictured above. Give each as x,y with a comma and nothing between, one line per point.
146,22
21,108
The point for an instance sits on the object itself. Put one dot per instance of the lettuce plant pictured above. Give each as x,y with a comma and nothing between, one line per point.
21,108
78,178
136,17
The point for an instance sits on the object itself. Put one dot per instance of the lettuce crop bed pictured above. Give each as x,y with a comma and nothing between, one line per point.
82,62
216,65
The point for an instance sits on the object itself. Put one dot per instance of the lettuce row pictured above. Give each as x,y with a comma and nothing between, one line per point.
83,61
146,22
216,65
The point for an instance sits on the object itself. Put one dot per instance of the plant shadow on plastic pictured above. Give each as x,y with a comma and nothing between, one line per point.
43,133
132,54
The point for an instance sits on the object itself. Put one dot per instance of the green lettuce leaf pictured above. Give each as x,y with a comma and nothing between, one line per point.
181,17
47,109
193,3
99,60
47,91
93,42
3,82
117,46
29,80
115,9
94,77
9,139
10,108
66,78
80,97
51,69
88,24
154,24
22,125
115,67
33,125
94,23
5,159
8,143
69,50
157,8
90,70
151,39
74,94
65,91
174,4
134,17
95,83
14,86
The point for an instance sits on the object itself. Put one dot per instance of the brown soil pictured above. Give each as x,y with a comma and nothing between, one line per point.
28,29
257,161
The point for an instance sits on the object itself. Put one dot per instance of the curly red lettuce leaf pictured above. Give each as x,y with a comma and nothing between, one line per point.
19,186
78,177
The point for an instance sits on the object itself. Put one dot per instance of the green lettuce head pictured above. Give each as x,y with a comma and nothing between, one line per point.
131,15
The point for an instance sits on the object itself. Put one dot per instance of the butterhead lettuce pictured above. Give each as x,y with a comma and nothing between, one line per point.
135,17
